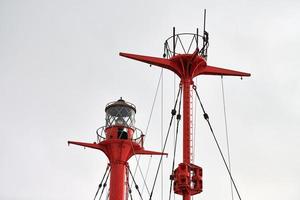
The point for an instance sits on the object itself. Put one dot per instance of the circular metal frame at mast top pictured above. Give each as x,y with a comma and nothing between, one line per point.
185,43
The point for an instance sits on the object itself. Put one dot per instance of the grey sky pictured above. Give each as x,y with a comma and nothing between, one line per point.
59,66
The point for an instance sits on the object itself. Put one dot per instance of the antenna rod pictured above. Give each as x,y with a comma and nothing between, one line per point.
204,19
197,38
204,26
174,46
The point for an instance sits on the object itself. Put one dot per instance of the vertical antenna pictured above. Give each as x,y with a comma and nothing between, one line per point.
205,38
204,24
174,46
197,33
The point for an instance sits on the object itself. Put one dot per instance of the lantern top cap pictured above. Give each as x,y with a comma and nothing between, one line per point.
120,103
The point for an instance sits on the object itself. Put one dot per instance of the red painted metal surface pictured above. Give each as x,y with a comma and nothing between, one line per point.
186,66
118,151
186,84
119,145
183,180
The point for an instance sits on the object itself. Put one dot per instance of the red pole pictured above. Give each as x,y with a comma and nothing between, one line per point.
186,126
117,181
186,120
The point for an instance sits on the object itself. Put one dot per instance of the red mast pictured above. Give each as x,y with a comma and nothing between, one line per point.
120,142
187,176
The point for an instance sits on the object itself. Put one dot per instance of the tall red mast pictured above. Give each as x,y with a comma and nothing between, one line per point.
120,142
187,176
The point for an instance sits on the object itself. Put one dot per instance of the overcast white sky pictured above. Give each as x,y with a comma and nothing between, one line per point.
59,66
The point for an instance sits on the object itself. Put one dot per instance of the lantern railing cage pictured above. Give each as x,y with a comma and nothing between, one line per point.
138,136
186,43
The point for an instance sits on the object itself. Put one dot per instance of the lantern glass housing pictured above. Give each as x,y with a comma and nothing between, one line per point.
120,113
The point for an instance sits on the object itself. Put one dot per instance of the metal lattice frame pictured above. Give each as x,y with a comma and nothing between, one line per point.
174,45
127,120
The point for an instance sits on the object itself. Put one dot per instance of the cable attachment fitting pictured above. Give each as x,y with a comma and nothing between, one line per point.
206,117
178,117
194,87
173,112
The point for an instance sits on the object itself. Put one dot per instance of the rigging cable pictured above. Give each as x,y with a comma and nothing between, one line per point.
178,117
165,142
174,98
206,117
128,185
104,185
100,185
227,135
136,186
146,176
146,131
154,100
162,132
139,167
129,191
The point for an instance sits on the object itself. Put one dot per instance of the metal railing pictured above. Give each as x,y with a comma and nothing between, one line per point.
184,43
138,136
